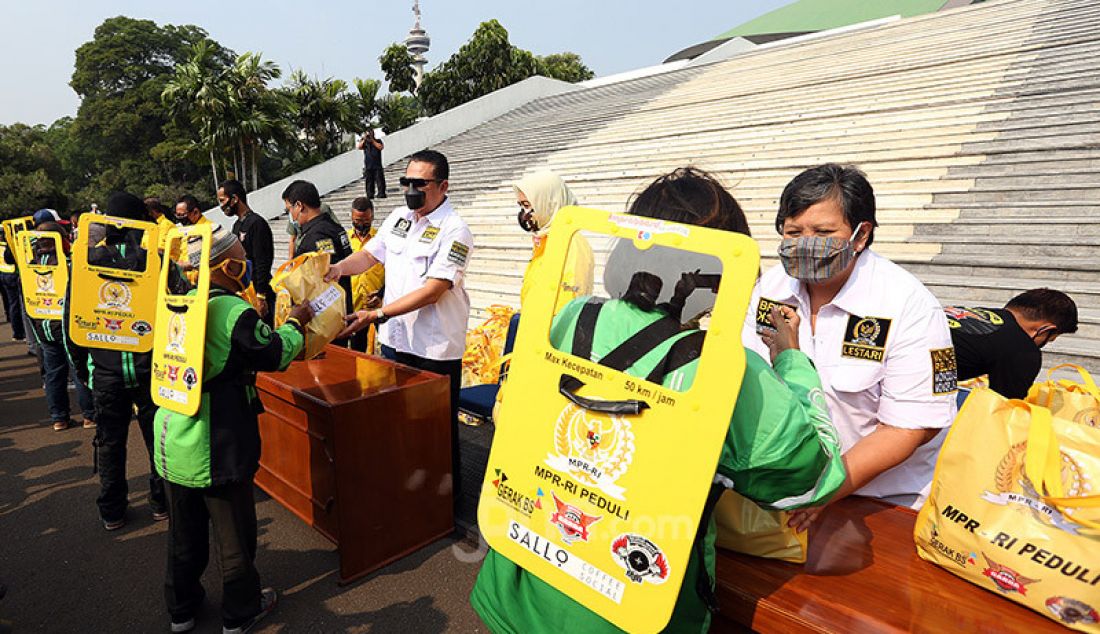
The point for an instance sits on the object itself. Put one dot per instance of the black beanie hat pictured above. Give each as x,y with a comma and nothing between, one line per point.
126,205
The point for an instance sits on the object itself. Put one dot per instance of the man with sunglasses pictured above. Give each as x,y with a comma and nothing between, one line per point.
425,247
188,211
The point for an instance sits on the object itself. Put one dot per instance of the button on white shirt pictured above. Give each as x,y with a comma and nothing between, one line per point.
874,347
415,250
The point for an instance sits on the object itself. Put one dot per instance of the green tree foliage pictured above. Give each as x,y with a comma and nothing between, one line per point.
488,62
30,171
566,67
397,111
396,62
120,75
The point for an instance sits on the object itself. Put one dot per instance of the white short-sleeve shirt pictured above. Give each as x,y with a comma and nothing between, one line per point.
414,250
884,353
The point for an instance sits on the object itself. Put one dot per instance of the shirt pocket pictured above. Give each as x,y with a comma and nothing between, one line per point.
857,377
422,256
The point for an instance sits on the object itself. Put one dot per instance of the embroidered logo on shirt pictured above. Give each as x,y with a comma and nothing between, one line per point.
326,245
945,371
763,314
401,227
458,253
865,338
429,234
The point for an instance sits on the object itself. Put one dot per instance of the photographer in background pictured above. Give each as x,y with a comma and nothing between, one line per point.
373,172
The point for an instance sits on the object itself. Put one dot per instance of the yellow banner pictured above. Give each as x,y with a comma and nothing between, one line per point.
11,228
179,339
45,273
114,294
605,506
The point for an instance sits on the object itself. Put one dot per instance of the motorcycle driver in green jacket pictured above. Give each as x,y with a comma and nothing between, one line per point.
781,450
208,460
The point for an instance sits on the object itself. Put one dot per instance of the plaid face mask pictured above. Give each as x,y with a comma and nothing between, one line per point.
816,258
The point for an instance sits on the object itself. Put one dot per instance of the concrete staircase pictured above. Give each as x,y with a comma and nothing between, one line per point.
979,129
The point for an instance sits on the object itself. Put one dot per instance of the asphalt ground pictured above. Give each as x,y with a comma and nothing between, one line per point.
65,573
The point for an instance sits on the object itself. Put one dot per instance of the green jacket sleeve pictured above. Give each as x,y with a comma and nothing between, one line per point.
265,350
782,450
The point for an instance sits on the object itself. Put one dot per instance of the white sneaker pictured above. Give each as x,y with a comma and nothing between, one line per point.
186,626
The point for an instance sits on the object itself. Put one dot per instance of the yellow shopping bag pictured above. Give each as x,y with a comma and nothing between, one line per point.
744,527
1013,508
1079,402
302,280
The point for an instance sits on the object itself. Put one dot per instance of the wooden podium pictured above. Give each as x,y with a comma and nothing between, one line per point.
359,448
862,574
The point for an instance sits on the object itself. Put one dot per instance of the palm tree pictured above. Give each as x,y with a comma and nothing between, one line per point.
198,92
256,108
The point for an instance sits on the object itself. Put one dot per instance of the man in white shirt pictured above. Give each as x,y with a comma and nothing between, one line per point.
425,247
878,337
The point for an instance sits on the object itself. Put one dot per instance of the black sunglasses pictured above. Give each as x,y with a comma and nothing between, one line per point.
418,183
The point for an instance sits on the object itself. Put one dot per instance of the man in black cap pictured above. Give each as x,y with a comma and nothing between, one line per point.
120,381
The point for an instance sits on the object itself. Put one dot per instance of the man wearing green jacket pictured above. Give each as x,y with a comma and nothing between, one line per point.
780,451
208,460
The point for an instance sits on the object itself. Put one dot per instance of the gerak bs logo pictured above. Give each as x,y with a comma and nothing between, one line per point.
510,496
594,448
571,521
1006,579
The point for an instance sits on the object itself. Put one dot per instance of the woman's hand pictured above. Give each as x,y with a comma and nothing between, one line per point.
302,312
785,320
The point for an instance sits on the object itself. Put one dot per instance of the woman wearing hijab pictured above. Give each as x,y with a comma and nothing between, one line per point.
540,196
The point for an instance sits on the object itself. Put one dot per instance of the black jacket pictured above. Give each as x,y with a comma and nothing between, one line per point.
325,234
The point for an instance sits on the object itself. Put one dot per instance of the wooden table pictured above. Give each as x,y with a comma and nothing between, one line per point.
359,448
862,574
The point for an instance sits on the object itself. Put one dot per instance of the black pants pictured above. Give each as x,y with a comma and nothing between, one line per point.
452,370
231,509
358,341
114,409
13,304
375,182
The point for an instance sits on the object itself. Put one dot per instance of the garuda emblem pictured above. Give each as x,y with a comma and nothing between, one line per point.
593,448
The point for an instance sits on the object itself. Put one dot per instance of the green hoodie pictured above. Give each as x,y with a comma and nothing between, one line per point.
781,451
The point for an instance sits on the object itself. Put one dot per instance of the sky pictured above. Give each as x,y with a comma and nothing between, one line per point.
343,39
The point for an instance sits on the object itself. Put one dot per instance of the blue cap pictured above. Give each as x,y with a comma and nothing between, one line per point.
45,215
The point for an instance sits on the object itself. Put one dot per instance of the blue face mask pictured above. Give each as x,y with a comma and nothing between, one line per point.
246,279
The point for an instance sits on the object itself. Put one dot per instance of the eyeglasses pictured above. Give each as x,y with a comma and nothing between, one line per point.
418,183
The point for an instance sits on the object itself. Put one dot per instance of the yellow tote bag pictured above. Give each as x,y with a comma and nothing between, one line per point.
1079,402
744,527
302,280
1014,509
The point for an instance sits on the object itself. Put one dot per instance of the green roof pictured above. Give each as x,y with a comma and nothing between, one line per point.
819,15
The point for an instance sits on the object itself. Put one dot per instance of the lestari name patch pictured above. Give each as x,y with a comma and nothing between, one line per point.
865,338
945,371
763,313
458,253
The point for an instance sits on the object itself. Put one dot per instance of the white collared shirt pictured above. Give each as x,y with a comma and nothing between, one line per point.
884,353
415,250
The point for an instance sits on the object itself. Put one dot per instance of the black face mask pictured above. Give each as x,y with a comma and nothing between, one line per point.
184,221
361,228
526,219
415,199
229,209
